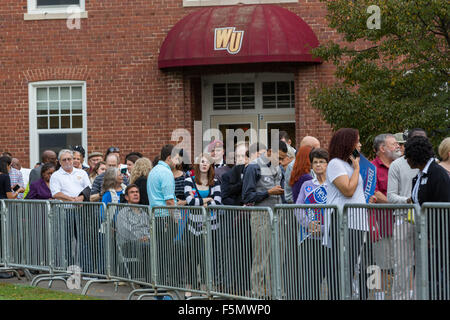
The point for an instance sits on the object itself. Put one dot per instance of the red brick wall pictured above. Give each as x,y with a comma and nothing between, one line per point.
130,102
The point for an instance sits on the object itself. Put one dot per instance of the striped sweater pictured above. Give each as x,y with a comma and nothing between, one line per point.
192,197
195,221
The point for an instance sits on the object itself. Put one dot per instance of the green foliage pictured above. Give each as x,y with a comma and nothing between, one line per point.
397,78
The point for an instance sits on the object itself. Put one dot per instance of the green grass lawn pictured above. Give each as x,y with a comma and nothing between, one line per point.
22,292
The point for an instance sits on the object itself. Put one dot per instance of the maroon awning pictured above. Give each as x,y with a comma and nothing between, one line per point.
238,34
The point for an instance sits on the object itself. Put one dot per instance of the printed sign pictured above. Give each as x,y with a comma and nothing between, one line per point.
317,196
369,175
228,39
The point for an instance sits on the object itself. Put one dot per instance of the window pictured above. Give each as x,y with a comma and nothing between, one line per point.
42,3
55,9
57,116
233,96
279,94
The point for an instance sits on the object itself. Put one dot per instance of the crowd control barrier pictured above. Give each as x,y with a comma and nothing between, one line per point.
436,250
242,252
294,252
380,261
309,250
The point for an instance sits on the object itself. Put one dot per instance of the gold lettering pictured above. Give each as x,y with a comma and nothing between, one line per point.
223,37
235,43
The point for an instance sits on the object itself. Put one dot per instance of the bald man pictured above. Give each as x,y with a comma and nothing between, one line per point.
47,156
306,141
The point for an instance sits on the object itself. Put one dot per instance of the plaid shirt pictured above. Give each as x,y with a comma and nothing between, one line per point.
16,178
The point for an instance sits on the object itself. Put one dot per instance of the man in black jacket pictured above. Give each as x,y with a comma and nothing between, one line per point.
239,223
432,184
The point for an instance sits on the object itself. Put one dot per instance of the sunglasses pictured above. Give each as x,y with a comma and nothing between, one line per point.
113,149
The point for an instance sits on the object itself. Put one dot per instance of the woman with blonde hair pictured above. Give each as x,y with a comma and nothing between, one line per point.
444,153
139,175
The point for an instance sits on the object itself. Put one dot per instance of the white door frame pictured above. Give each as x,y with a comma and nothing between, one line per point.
258,79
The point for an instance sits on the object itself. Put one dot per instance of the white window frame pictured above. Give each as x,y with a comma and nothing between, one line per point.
207,3
34,131
52,12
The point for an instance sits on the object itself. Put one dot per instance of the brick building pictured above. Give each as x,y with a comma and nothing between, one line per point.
127,73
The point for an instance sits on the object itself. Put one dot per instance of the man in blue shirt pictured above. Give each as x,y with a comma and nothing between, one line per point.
161,192
161,182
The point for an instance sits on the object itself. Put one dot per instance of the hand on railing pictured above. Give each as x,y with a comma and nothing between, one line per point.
206,201
78,199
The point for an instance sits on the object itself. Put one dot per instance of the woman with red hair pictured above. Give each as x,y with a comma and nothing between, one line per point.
300,171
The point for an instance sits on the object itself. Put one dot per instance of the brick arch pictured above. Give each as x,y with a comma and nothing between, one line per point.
57,73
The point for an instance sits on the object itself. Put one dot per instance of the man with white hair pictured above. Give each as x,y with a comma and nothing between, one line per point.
387,149
67,183
306,141
112,161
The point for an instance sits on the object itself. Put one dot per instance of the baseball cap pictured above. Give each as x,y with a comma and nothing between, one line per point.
399,137
95,154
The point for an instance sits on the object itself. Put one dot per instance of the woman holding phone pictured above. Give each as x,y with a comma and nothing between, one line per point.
5,182
345,185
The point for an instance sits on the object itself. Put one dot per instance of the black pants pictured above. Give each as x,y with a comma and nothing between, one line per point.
360,253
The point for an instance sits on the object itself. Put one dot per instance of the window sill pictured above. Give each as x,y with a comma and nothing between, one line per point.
54,16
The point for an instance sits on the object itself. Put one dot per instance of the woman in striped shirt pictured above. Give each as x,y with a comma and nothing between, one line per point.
201,189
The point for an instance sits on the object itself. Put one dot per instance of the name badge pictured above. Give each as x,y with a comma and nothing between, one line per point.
424,180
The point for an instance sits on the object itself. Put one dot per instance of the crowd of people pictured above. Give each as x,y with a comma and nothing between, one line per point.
408,171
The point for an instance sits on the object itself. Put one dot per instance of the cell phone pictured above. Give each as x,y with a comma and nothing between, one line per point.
355,153
16,187
123,171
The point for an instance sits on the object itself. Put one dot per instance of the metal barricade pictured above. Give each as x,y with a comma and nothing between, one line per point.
436,250
79,238
310,249
380,242
243,256
180,257
27,233
130,243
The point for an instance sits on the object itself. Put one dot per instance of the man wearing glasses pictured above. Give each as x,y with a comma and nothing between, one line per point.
67,183
112,161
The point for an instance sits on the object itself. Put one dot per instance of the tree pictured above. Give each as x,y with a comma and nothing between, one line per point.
397,76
